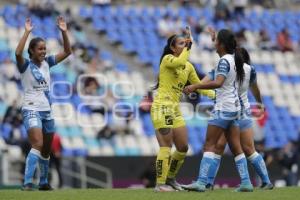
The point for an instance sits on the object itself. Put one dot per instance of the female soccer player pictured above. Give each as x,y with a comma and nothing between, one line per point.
246,130
228,75
175,71
36,108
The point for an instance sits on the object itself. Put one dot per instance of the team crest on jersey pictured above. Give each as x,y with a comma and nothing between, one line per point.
168,120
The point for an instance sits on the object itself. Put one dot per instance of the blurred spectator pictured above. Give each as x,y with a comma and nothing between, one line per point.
245,39
205,42
9,71
264,41
239,7
178,25
241,38
71,22
13,114
101,2
284,41
55,157
166,26
288,159
146,102
106,132
122,117
221,11
12,130
208,3
185,3
192,23
79,35
148,175
75,61
42,8
92,91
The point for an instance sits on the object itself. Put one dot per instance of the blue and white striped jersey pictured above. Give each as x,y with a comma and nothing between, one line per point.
34,97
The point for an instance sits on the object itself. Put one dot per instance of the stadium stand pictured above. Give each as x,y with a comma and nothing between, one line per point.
135,28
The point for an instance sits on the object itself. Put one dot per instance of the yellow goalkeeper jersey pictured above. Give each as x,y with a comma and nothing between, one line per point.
173,75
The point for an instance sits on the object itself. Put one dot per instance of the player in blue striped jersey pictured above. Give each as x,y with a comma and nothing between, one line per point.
229,75
245,124
36,107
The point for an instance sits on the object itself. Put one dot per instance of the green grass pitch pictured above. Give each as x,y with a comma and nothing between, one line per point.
287,193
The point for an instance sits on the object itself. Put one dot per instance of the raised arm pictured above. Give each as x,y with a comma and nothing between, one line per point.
212,33
62,25
173,61
20,48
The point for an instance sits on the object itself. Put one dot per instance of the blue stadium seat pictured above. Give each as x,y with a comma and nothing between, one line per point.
147,125
85,12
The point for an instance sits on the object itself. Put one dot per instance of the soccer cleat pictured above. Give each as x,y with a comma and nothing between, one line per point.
244,188
173,183
195,186
28,187
267,186
163,188
45,187
209,186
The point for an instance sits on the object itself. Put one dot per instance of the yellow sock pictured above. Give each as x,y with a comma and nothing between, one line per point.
177,160
162,164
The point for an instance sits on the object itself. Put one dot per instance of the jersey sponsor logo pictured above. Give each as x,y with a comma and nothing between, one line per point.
41,87
176,88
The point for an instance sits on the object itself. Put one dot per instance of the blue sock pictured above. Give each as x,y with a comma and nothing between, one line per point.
260,167
206,162
213,170
30,166
44,167
241,165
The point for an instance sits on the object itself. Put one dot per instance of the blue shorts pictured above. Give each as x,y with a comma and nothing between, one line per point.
38,119
224,119
246,120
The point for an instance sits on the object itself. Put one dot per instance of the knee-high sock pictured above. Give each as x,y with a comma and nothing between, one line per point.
205,164
30,166
241,165
44,167
260,167
214,168
177,160
162,164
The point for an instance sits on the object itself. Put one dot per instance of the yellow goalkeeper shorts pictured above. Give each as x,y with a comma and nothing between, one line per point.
166,116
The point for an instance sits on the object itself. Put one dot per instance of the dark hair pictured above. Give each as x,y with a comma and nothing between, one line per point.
167,50
89,80
246,56
227,39
32,44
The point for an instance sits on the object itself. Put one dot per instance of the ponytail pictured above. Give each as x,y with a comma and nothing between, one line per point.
246,56
227,39
167,50
239,64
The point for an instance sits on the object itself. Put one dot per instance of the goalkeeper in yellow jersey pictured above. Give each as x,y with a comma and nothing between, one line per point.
175,71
